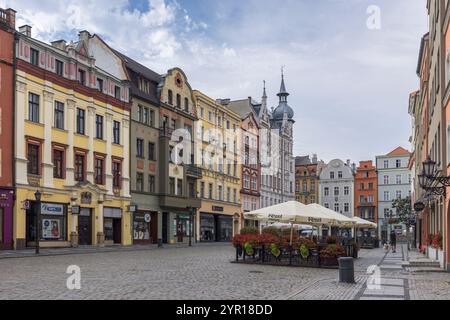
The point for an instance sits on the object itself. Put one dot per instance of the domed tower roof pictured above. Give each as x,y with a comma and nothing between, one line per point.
283,107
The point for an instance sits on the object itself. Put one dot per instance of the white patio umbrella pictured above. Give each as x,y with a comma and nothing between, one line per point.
291,212
338,220
364,224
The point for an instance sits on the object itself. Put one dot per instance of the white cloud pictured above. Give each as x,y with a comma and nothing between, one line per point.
346,82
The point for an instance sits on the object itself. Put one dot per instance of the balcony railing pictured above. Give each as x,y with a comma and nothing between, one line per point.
166,132
194,171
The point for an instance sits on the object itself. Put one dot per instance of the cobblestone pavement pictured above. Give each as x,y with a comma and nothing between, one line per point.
201,272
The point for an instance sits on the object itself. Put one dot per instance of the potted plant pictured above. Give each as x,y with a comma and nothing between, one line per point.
329,256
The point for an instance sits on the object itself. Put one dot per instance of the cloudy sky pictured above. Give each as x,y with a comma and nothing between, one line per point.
349,84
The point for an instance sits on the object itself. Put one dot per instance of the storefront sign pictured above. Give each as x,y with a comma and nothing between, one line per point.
218,209
419,206
51,229
26,205
52,209
314,220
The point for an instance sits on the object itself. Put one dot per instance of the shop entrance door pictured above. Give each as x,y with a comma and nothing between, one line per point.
85,228
180,230
165,226
117,231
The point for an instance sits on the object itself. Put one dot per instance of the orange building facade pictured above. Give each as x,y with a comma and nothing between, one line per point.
366,192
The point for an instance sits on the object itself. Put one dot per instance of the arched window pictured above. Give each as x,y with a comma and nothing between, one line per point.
186,104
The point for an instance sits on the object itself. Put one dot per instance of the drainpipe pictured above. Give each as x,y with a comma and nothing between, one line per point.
15,41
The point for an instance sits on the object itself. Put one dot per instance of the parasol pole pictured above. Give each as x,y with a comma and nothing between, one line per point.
292,233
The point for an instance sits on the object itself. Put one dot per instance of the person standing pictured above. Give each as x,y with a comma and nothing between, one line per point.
394,241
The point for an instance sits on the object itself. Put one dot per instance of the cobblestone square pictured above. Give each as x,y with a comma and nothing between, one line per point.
203,272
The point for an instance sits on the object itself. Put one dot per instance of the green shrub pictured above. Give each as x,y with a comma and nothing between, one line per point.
249,230
272,231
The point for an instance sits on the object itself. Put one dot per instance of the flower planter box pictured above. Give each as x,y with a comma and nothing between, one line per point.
329,262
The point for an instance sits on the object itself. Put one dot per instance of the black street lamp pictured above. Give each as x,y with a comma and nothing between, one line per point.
423,179
191,214
38,196
429,167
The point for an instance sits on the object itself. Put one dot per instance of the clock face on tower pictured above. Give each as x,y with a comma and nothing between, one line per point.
179,80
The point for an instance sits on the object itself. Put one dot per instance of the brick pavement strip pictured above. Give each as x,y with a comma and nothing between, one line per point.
197,273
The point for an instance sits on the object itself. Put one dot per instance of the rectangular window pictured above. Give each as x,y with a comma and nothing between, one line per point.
179,187
82,76
336,191
151,184
79,168
59,115
170,97
210,191
332,175
386,196
340,174
59,68
234,195
172,186
254,183
139,148
117,92
370,199
151,151
81,120
145,120
116,132
58,164
398,179
34,57
228,194
99,171
178,101
398,194
202,190
152,118
99,127
246,182
33,107
117,174
336,207
186,104
33,159
386,179
346,191
386,164
326,192
398,163
220,192
346,207
139,182
99,84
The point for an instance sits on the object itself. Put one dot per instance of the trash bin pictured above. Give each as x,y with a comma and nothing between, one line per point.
346,270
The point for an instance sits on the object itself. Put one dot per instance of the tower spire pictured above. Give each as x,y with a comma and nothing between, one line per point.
283,93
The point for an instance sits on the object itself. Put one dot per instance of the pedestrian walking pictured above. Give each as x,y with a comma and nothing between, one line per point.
394,241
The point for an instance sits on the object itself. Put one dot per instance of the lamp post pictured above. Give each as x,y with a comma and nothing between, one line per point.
190,209
38,196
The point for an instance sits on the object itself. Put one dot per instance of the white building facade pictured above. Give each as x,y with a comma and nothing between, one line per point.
336,187
394,182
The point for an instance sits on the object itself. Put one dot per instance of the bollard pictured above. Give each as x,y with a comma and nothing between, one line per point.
346,270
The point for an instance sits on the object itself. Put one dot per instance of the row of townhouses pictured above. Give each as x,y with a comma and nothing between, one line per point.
366,191
430,114
111,152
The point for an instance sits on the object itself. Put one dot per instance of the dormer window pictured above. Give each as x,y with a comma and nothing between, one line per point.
82,76
34,59
99,84
59,68
117,92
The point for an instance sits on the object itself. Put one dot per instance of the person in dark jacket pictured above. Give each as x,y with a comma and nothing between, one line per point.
394,241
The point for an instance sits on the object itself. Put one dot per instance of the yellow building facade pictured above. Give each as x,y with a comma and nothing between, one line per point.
218,129
72,144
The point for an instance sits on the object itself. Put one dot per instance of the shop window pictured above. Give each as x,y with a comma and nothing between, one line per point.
33,157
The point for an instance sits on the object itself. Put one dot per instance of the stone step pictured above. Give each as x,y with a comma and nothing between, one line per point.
422,263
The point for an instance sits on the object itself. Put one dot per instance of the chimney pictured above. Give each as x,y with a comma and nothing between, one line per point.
314,159
84,35
8,16
25,30
60,44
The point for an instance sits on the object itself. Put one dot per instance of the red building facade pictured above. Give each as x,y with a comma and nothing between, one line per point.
7,31
366,192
